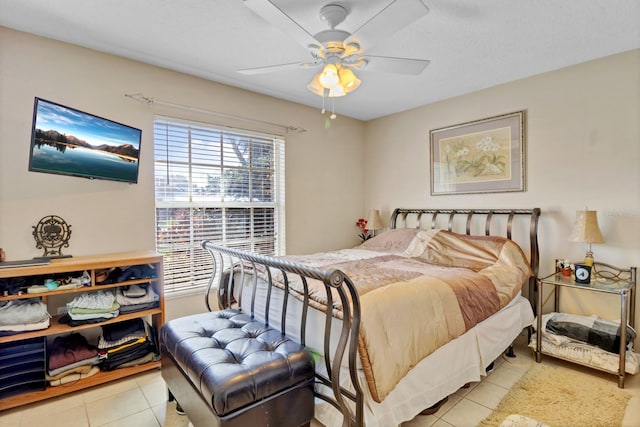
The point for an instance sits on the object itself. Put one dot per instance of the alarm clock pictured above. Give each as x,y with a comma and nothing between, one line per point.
583,273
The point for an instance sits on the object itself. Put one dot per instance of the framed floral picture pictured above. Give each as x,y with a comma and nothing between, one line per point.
483,156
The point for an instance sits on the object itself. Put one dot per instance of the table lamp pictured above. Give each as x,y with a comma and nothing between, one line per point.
585,229
374,222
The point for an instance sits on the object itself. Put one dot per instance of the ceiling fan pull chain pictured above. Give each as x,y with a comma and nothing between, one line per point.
333,109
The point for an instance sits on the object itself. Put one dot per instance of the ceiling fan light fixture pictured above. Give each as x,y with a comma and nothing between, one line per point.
337,91
340,52
345,81
315,86
350,48
348,79
329,76
333,15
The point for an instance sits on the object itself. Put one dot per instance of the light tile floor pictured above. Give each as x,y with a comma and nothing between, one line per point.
141,401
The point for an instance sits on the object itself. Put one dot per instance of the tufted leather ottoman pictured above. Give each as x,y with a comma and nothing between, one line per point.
227,369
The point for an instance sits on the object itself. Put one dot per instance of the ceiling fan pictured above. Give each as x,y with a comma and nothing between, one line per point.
338,51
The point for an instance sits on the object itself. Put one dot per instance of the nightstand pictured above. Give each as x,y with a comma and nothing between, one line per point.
605,278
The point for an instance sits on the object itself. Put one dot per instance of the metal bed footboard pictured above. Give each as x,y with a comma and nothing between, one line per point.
232,267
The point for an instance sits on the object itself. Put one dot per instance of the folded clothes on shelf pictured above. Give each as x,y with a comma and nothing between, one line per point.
121,274
13,286
22,315
137,297
92,305
72,377
126,343
144,271
68,350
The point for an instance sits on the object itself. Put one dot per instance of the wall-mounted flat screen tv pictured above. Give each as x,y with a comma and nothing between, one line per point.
70,142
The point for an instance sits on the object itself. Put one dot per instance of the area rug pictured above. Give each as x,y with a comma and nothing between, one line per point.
561,397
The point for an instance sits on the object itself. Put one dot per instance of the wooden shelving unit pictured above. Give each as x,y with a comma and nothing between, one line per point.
74,265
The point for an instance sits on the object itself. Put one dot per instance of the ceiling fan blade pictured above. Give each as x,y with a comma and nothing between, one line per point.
386,64
281,67
276,17
387,22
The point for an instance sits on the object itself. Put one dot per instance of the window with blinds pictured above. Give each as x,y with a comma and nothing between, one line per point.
222,185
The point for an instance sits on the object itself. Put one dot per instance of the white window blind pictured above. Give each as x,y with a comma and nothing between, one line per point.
222,185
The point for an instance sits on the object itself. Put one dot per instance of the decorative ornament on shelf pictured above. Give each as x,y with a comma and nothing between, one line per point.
565,267
586,230
51,234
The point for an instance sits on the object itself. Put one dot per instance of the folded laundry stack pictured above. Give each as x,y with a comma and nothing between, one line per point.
129,343
91,307
71,358
121,274
137,297
23,315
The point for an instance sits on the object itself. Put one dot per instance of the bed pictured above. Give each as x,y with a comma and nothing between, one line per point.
380,361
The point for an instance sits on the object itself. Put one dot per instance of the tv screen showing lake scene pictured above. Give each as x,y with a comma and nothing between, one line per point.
69,142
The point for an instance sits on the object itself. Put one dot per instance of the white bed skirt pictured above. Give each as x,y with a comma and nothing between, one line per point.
442,373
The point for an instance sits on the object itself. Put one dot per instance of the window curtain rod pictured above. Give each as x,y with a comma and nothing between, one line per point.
150,101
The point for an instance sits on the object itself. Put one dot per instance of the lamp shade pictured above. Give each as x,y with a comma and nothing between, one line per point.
337,91
329,76
315,86
334,81
585,228
374,222
348,79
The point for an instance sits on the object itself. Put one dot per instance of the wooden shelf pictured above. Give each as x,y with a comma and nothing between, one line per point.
76,290
91,264
99,378
57,328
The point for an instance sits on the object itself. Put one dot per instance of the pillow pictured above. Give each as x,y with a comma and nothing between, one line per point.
498,258
446,248
394,240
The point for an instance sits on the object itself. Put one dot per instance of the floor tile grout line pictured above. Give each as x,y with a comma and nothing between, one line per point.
86,413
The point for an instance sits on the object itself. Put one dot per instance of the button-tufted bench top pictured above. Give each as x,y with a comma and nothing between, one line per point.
234,360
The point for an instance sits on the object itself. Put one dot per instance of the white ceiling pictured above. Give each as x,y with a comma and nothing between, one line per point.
472,44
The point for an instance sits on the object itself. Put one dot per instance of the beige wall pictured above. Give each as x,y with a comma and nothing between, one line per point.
583,149
110,216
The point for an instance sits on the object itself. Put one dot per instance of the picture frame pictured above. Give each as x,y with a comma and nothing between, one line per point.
481,156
